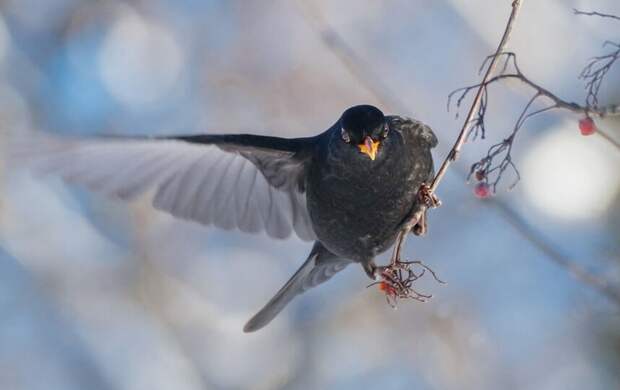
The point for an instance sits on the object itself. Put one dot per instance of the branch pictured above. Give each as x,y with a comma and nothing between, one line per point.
417,217
607,111
594,13
453,155
417,214
593,74
490,169
595,71
597,68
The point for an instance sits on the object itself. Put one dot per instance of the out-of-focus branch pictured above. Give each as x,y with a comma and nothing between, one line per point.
594,13
372,82
354,64
597,282
152,275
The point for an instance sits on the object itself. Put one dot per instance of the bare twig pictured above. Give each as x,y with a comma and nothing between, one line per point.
597,68
517,74
595,71
594,13
490,169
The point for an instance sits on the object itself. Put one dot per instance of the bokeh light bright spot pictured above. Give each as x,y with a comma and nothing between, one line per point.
140,62
569,176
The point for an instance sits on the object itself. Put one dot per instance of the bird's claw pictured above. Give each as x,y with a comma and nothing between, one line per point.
396,281
427,197
419,229
430,200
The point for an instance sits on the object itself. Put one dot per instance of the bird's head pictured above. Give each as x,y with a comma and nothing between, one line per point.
364,127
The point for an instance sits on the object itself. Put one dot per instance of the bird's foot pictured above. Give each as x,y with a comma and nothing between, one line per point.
371,270
427,197
420,228
396,280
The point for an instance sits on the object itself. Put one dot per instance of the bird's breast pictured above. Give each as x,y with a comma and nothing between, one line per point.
356,213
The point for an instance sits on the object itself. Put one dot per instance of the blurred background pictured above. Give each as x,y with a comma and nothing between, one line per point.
100,294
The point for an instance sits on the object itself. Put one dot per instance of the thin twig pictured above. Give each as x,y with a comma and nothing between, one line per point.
594,13
594,73
602,112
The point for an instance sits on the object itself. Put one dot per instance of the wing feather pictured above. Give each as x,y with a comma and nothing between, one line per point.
230,186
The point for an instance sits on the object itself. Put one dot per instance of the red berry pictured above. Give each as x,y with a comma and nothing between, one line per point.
587,126
387,288
482,190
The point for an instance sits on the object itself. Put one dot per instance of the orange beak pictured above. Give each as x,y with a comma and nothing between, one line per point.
369,147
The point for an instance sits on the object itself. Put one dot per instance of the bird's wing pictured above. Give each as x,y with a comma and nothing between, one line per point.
320,266
421,132
249,182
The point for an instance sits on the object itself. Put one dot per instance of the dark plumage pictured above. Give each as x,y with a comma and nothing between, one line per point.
349,188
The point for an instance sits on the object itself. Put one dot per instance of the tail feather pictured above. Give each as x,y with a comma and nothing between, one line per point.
320,266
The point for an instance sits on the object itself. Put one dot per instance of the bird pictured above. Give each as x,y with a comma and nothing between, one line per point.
348,189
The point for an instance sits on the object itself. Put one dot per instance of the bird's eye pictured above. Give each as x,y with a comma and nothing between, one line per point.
345,136
385,132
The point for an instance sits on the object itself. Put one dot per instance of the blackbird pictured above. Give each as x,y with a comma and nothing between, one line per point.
349,189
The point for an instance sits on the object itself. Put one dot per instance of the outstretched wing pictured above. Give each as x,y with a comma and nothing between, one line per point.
320,266
249,182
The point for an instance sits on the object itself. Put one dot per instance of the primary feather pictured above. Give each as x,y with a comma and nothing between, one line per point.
217,186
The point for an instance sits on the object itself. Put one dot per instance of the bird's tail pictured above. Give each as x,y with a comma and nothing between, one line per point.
318,268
